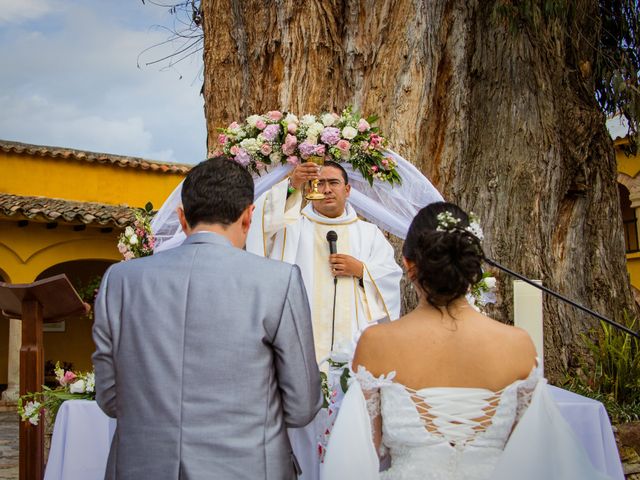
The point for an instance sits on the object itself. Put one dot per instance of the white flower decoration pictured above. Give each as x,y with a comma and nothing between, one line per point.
77,387
349,133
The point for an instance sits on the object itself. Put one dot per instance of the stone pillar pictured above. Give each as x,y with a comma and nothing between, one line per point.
11,394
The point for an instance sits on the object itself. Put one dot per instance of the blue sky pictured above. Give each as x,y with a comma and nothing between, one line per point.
69,78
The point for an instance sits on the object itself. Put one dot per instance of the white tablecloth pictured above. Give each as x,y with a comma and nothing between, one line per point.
589,420
82,437
80,443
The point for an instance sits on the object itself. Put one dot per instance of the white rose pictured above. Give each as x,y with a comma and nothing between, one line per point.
77,387
134,239
312,139
128,231
253,119
275,157
308,120
328,119
291,118
490,282
349,133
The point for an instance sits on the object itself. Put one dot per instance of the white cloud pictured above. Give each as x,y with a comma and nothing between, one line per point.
18,11
71,80
34,119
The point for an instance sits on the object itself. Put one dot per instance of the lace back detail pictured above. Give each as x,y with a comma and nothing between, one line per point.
456,429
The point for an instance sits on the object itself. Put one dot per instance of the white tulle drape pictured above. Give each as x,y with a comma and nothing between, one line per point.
390,207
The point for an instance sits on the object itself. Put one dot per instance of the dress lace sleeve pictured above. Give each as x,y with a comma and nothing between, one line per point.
526,388
371,389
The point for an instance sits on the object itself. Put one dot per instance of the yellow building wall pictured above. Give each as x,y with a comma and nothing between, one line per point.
26,252
629,165
22,174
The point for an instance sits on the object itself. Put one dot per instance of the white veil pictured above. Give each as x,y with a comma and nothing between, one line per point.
392,208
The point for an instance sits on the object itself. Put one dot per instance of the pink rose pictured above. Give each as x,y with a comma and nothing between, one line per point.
266,149
320,149
234,150
129,256
374,168
289,146
69,376
343,145
363,125
261,124
375,140
233,126
385,162
292,127
222,139
259,165
274,115
293,160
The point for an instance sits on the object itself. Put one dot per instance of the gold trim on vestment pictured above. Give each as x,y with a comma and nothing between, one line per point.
284,242
329,224
384,304
365,299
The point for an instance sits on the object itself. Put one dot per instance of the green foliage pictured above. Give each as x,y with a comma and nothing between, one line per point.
614,376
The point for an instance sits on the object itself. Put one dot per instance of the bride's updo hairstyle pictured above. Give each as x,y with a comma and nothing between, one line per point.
447,257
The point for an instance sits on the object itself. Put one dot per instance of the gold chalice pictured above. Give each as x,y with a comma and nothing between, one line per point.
314,194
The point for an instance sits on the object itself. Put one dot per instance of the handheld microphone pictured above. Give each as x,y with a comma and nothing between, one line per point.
332,238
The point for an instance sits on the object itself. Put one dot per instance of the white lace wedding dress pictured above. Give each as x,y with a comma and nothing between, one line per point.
452,433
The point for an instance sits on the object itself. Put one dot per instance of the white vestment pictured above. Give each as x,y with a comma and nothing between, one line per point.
280,230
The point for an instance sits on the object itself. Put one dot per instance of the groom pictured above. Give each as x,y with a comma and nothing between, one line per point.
204,352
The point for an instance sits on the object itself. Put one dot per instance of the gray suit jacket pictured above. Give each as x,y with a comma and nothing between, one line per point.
204,354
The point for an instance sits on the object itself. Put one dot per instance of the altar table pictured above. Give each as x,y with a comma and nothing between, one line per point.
82,437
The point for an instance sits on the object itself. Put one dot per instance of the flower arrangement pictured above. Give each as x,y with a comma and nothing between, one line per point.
72,386
137,240
280,138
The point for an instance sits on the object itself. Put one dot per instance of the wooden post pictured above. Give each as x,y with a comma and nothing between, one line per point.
31,380
48,300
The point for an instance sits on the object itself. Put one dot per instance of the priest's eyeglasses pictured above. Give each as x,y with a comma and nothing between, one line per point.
331,183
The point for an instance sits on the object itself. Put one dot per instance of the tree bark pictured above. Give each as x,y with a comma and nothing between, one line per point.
501,120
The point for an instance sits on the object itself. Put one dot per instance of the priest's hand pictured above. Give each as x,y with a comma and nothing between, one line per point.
345,266
304,172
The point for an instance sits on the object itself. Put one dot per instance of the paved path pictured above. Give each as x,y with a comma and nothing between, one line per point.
9,449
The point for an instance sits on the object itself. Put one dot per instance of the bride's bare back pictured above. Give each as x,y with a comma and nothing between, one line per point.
454,347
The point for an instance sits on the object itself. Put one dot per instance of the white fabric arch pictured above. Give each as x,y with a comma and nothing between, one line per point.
392,208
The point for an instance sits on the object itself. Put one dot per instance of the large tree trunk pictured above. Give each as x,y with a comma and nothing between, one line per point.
501,119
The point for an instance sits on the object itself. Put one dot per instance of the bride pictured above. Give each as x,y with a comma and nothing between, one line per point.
440,390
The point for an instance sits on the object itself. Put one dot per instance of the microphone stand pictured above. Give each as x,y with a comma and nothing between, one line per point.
564,299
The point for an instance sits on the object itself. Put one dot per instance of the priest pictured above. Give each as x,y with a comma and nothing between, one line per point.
367,286
348,290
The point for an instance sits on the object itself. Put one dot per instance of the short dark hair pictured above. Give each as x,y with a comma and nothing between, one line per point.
331,163
217,190
447,262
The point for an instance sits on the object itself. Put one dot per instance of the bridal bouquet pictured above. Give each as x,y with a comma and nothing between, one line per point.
279,138
137,240
72,386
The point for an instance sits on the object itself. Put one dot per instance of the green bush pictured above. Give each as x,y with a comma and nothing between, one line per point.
613,374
